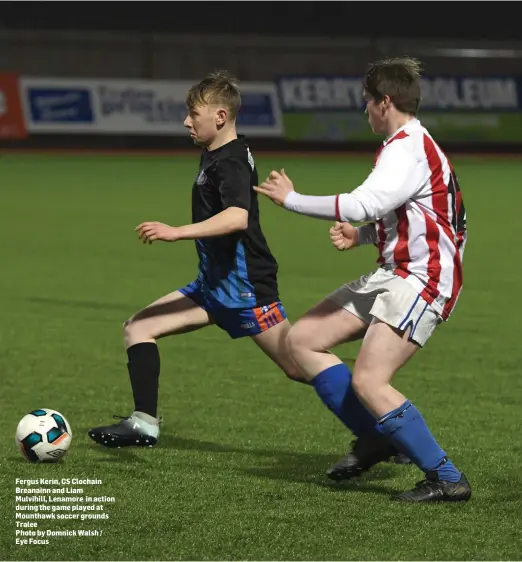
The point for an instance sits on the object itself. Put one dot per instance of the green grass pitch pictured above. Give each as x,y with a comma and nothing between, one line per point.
239,473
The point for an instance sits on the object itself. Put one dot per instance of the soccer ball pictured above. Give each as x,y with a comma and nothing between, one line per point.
43,436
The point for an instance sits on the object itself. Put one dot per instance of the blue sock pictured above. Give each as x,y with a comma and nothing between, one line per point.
408,431
334,387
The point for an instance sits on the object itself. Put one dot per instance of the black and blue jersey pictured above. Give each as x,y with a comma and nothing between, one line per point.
237,270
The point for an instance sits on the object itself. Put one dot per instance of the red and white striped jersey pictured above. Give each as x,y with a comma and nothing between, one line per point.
418,222
423,238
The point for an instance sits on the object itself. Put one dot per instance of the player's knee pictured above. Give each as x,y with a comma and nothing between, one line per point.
295,341
292,345
127,326
133,331
299,344
362,384
127,329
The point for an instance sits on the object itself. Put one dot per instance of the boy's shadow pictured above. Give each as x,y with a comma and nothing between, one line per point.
309,468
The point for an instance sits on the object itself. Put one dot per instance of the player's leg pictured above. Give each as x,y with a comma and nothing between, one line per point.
176,313
273,343
389,343
341,318
323,327
270,334
267,326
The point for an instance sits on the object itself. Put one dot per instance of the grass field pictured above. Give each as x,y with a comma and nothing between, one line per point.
239,472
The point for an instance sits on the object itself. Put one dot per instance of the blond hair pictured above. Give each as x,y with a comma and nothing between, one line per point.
217,88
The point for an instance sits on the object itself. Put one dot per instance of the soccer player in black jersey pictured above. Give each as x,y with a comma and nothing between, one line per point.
236,285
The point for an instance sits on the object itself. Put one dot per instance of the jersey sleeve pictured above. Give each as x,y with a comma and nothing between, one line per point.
397,177
234,179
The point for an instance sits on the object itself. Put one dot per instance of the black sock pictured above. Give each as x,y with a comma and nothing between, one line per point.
144,370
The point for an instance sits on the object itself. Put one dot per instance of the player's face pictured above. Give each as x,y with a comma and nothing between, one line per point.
204,123
376,112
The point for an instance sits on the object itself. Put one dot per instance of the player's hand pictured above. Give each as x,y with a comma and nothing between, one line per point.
343,236
152,230
277,186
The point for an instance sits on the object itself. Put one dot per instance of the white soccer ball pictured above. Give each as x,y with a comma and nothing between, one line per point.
43,436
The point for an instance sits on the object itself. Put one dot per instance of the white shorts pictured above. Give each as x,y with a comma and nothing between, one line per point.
384,296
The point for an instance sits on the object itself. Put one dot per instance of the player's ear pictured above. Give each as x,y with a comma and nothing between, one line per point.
221,116
386,103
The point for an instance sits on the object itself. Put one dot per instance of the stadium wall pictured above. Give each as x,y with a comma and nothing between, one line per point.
301,92
185,56
294,112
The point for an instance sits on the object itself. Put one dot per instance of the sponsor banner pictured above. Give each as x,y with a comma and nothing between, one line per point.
485,109
12,122
439,93
55,105
456,127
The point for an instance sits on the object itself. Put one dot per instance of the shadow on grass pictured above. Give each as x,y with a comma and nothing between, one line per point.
292,466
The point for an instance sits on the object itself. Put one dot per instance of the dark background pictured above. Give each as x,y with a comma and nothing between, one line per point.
469,20
256,41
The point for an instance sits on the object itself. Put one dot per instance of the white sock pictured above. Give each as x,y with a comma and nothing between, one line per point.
145,417
148,425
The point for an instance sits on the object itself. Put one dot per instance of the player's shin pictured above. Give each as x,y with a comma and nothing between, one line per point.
333,386
144,370
406,428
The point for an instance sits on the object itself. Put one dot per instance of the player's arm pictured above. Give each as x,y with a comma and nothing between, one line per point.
230,220
394,180
232,177
344,236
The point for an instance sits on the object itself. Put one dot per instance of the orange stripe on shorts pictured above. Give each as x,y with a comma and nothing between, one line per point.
261,319
278,315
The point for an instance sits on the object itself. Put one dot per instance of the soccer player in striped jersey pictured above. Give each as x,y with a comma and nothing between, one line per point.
413,207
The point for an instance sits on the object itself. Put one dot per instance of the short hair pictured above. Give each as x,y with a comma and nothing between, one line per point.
398,78
218,87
